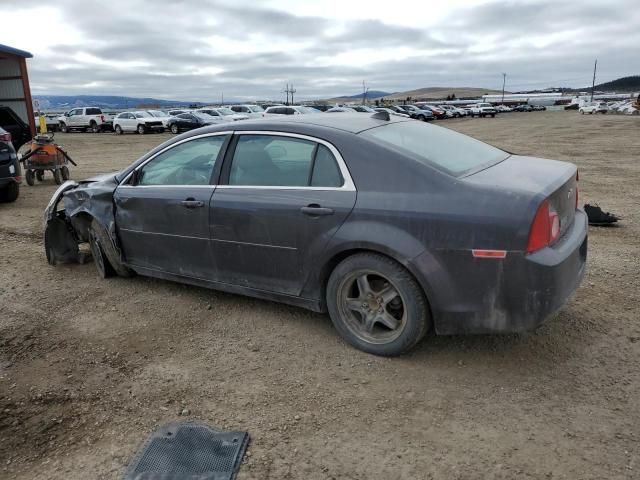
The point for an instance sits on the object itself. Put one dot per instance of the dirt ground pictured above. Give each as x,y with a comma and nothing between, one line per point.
89,367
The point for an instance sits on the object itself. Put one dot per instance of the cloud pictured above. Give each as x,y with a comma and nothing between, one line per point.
196,49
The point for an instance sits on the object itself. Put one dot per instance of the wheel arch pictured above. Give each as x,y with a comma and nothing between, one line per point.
319,284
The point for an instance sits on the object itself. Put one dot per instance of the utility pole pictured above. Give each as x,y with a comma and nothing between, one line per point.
365,90
286,90
593,84
504,81
292,90
222,98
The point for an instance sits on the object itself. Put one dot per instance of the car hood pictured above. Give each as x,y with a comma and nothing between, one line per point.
105,177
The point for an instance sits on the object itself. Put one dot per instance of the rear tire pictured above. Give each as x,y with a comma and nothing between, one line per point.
110,257
40,175
65,173
30,178
376,305
94,127
10,193
63,127
118,130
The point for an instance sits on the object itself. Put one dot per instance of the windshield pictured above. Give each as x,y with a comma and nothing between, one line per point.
307,110
156,113
225,111
142,115
256,108
203,116
440,147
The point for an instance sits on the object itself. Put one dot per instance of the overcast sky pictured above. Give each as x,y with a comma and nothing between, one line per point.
196,49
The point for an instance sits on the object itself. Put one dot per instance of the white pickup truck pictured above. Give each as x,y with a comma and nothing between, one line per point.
482,110
86,118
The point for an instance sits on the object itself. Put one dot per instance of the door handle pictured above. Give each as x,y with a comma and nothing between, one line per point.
192,203
315,210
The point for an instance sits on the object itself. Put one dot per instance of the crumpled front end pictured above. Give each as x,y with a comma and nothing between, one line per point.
66,228
60,239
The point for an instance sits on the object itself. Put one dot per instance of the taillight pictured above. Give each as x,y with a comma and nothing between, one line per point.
5,137
545,228
102,118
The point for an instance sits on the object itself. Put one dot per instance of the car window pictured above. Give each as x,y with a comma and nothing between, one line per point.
267,160
325,169
189,163
437,146
94,111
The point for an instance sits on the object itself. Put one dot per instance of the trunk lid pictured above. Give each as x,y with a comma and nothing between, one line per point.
541,178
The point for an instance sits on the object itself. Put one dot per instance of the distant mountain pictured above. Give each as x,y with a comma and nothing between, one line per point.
623,84
370,94
443,92
427,93
53,102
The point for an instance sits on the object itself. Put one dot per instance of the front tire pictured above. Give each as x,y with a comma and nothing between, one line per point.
141,130
376,305
63,127
30,177
105,255
118,130
65,173
174,129
57,176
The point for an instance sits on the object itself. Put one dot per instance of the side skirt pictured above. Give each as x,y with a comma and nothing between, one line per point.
308,303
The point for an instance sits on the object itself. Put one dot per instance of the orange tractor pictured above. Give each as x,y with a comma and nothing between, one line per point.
46,155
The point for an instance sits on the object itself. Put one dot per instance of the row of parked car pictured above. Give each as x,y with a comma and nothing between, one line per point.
178,120
626,107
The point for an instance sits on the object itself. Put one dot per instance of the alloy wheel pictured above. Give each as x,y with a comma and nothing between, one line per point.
372,307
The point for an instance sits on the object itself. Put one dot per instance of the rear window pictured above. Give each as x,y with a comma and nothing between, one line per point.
94,111
440,147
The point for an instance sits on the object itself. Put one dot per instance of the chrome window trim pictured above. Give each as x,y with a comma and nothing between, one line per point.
169,147
348,184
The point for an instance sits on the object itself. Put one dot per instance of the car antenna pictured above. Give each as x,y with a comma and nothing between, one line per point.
381,115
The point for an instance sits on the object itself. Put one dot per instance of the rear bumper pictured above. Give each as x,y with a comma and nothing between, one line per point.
514,294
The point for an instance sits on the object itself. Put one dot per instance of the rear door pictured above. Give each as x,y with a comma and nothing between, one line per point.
162,209
281,198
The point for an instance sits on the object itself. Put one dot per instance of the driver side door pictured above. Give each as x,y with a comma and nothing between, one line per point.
162,208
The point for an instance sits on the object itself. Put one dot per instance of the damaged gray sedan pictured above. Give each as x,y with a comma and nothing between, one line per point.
392,226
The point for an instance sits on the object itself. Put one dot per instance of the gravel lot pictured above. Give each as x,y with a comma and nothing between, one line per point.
88,367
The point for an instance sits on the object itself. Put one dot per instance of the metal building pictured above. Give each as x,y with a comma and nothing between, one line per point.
15,92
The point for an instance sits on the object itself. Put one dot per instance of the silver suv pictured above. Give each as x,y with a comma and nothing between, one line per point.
251,111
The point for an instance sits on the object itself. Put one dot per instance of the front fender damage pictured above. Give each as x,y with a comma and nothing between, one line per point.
66,228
